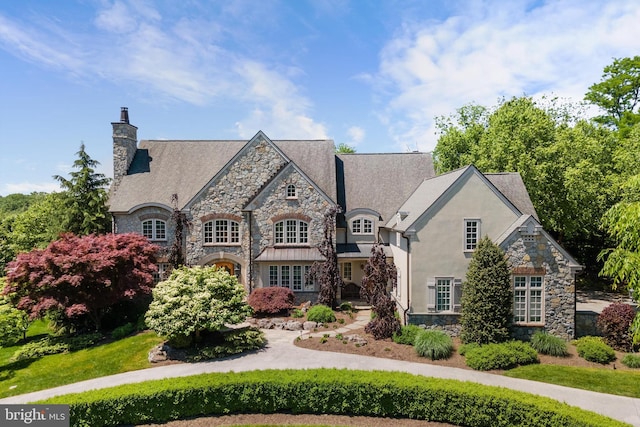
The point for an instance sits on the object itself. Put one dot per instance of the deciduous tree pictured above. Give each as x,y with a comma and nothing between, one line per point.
81,277
196,299
379,278
487,297
327,272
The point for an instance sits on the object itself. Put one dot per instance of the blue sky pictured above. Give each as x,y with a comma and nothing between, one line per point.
371,74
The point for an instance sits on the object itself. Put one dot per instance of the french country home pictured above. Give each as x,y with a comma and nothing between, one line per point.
256,208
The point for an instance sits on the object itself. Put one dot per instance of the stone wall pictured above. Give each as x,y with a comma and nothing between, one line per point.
124,149
133,224
540,255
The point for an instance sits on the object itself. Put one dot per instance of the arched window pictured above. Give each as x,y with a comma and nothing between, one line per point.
291,232
291,192
154,229
221,231
362,226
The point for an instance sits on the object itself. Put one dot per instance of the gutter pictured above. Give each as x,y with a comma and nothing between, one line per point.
408,279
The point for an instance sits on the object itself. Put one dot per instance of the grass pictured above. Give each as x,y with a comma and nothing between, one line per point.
621,383
125,355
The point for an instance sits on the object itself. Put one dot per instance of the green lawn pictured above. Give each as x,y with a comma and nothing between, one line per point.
622,383
124,355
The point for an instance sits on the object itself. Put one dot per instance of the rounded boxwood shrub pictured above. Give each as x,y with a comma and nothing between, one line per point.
631,361
615,325
272,300
594,349
434,345
549,344
407,334
500,356
321,314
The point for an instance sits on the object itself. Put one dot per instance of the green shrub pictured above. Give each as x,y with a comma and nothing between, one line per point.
297,313
231,342
549,344
407,334
181,341
595,350
321,314
55,345
323,391
346,307
123,331
500,356
631,361
464,348
434,345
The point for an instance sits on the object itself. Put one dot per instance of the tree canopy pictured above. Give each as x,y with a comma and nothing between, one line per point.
618,94
86,197
196,299
81,277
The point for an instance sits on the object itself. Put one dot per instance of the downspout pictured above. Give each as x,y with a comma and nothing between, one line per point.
408,278
250,266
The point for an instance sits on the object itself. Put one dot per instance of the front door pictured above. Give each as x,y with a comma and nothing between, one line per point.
229,266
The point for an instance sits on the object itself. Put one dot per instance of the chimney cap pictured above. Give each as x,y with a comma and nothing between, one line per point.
124,115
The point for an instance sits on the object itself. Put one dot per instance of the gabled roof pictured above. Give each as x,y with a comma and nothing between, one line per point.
529,224
381,182
508,186
162,168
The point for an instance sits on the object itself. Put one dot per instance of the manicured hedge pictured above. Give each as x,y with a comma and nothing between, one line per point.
323,391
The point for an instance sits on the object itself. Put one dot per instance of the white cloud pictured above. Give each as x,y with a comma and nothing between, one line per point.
29,187
497,49
356,134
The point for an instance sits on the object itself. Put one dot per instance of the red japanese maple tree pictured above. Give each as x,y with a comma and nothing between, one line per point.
82,275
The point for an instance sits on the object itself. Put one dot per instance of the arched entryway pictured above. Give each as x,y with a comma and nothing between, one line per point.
230,262
227,265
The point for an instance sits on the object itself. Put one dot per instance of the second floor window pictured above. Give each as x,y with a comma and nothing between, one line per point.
154,229
471,234
362,226
222,231
291,192
291,232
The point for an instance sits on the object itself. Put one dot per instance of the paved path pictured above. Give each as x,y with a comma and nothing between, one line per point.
280,353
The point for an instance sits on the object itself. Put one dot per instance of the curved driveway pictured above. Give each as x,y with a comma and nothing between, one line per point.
280,353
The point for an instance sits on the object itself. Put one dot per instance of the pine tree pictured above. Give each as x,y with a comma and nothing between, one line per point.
86,197
487,297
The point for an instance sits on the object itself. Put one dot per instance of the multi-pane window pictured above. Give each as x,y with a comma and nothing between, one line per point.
527,294
362,226
222,231
162,273
346,271
291,191
443,294
291,231
154,229
471,234
290,276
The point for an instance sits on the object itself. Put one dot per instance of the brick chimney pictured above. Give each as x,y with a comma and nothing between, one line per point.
125,138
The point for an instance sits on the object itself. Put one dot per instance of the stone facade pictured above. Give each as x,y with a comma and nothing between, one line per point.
133,224
539,256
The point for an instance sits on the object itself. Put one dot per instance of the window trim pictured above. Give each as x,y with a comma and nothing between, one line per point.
291,231
291,192
154,229
214,229
466,234
454,290
527,302
362,224
291,276
347,273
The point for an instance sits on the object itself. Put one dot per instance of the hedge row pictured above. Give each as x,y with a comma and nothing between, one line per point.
322,391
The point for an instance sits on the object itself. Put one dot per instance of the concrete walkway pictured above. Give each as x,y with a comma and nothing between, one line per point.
280,353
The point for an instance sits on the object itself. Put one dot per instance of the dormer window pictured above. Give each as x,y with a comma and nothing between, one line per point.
361,226
292,192
154,229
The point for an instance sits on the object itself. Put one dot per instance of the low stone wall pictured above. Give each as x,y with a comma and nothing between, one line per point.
586,323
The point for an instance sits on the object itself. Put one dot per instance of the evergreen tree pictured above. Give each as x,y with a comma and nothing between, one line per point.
86,197
487,297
